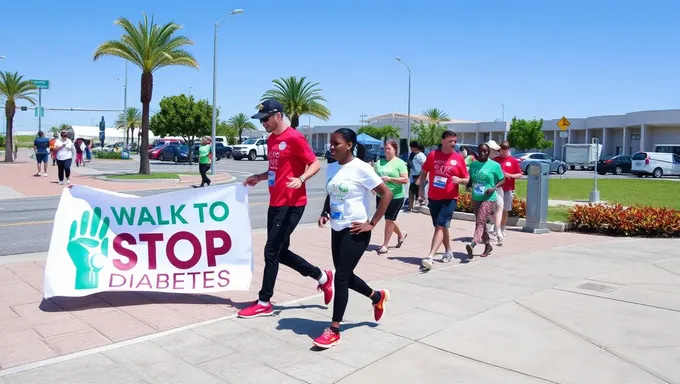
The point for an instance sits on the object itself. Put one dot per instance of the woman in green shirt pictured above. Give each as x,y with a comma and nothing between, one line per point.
204,160
394,173
485,177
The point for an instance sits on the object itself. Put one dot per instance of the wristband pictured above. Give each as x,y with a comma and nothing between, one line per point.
302,178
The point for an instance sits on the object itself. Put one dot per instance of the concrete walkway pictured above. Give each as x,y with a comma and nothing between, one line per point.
598,312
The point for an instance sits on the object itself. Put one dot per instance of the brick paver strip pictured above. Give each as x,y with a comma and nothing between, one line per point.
32,329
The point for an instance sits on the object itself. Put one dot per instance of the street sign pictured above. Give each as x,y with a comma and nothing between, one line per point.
564,134
41,84
39,112
563,123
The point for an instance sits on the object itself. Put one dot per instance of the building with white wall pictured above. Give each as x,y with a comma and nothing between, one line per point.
618,134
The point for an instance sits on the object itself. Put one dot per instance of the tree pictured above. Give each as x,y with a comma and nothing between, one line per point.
380,133
183,116
429,134
224,129
298,97
150,47
436,115
527,134
241,122
133,116
13,87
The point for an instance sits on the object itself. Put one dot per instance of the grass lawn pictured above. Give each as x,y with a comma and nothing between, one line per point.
656,193
153,175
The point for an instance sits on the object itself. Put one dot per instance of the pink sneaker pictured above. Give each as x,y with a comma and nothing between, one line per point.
327,287
379,309
327,339
256,310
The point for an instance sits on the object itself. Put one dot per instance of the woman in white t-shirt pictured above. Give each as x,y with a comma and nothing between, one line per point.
64,148
349,184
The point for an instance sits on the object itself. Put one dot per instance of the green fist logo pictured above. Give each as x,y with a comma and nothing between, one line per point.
89,248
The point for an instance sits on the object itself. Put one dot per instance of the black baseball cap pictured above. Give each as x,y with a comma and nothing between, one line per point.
266,108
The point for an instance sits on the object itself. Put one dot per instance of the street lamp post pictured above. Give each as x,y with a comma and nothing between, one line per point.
408,123
2,101
125,130
214,106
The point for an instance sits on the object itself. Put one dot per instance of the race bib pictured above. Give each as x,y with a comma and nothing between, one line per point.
336,211
439,182
479,188
271,178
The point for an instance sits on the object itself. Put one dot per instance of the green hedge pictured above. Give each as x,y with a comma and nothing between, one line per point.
108,155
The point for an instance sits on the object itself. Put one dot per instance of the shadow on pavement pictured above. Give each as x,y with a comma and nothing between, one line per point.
314,328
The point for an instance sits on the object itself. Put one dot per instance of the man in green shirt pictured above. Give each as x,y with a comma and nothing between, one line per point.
204,160
394,173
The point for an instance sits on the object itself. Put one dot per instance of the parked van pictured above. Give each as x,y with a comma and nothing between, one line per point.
657,164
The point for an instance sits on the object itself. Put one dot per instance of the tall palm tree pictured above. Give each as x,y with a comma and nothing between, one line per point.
241,122
133,116
150,47
299,97
436,115
14,87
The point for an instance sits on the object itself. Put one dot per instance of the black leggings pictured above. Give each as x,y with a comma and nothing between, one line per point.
64,166
204,168
347,250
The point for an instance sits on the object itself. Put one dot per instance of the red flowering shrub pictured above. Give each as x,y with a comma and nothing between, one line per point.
616,220
519,207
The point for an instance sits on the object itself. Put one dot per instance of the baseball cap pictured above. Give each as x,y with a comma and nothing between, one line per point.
266,108
493,145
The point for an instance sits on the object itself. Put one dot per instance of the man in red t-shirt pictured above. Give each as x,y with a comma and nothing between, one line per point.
291,163
511,171
445,170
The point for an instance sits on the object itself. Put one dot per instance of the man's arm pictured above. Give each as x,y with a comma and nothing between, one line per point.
312,169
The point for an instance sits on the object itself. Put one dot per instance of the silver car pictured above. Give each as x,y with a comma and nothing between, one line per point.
556,166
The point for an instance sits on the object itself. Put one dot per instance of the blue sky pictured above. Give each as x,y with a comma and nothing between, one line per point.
538,58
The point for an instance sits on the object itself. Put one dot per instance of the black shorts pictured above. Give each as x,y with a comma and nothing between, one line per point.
392,209
442,211
414,189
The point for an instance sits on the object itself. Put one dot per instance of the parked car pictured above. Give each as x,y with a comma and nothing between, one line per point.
156,151
174,153
526,159
616,165
158,142
221,150
656,164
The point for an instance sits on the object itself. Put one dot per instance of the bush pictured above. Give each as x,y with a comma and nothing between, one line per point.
616,220
519,207
108,155
2,142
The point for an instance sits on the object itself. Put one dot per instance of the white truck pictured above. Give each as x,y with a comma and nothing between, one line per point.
251,148
583,155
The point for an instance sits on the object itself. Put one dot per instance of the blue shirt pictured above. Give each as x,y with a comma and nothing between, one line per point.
42,145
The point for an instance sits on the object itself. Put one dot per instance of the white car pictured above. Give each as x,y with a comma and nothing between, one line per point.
657,164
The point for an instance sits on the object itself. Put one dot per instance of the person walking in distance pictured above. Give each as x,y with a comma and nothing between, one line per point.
41,146
291,163
53,150
485,178
511,171
415,167
393,171
64,148
349,184
204,161
445,169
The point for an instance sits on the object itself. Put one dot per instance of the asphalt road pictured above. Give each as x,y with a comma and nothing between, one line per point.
26,224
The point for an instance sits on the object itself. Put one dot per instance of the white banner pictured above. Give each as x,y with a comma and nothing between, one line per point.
189,241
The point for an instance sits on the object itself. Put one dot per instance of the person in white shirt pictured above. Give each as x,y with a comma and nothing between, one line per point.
64,148
350,183
415,167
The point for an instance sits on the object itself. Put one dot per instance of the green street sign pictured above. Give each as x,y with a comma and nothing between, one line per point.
39,112
41,84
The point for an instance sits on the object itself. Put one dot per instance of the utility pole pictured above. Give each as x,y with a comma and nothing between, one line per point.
363,115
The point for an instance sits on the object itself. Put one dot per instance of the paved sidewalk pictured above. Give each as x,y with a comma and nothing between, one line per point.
603,311
32,329
20,180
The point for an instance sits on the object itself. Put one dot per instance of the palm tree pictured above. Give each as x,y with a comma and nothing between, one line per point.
133,116
241,122
299,97
436,115
150,47
14,87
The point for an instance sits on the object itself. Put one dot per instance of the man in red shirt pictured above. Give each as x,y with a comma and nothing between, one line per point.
511,171
445,170
291,163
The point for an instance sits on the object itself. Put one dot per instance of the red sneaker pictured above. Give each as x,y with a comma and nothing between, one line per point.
327,287
327,339
379,309
256,310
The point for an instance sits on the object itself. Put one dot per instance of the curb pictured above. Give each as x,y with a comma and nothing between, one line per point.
151,181
554,226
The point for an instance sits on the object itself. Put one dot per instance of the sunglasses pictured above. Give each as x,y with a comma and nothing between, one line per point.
266,118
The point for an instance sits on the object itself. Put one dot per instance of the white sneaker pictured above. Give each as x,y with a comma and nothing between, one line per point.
503,233
427,263
499,238
448,256
39,174
68,181
45,174
61,183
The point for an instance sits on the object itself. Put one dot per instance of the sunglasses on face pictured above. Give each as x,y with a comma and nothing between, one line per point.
266,118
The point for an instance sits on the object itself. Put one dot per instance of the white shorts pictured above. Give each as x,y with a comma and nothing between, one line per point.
500,202
508,197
